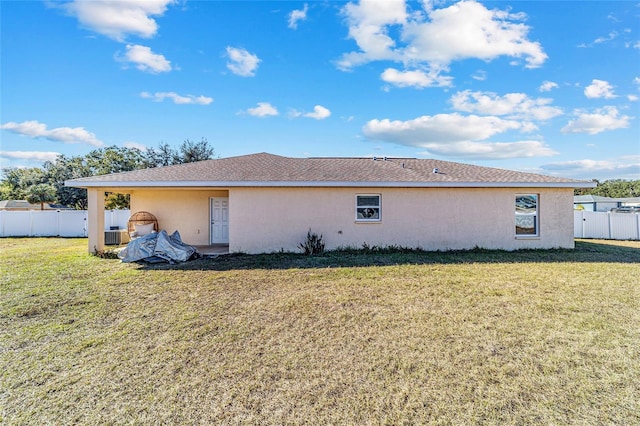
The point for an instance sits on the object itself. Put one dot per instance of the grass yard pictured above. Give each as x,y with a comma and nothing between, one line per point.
532,337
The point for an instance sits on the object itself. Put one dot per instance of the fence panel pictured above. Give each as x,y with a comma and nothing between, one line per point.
54,223
606,225
596,225
578,219
44,223
15,224
73,224
624,226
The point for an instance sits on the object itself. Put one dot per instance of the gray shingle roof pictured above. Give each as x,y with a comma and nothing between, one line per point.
272,170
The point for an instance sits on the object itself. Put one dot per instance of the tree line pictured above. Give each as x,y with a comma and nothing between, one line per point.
614,188
45,184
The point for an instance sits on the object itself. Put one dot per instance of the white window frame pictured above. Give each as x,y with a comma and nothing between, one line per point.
372,206
536,216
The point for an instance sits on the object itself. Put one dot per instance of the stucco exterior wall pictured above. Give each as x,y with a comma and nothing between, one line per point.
272,219
184,210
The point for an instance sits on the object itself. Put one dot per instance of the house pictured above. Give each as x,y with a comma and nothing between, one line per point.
262,203
24,205
596,203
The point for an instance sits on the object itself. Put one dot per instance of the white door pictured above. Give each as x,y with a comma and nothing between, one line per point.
219,215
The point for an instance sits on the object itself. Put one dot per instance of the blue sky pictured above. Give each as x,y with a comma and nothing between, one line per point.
540,86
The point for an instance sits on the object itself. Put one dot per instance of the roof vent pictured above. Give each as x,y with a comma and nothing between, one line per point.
436,171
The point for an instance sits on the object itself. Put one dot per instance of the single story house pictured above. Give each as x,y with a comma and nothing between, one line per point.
597,203
24,205
264,203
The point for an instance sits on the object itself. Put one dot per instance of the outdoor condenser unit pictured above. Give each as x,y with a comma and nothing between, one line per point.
113,238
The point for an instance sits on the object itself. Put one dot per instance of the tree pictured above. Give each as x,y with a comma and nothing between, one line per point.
16,182
116,201
163,156
41,193
614,188
190,151
101,161
65,168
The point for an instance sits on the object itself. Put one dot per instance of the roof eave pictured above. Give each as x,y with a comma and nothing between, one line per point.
324,184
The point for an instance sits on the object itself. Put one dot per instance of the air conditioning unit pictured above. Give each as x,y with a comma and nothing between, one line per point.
114,238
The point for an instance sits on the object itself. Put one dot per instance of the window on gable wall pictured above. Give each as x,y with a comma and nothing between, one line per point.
527,223
368,208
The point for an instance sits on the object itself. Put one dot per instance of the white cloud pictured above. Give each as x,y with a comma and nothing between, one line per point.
490,150
436,37
603,119
627,167
547,86
417,78
36,129
480,75
513,105
117,19
242,62
136,145
457,136
298,15
41,156
438,128
319,113
264,109
612,35
177,99
368,25
145,60
599,89
632,98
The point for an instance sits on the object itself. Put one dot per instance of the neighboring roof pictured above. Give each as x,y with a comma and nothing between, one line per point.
272,170
600,199
25,205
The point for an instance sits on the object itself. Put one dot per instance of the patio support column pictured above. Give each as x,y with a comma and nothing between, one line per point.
95,227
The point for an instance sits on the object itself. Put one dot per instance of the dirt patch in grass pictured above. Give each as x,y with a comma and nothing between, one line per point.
355,338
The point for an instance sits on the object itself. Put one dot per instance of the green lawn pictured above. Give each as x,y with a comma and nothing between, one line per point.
532,337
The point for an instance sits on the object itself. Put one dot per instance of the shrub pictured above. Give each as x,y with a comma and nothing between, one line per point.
314,244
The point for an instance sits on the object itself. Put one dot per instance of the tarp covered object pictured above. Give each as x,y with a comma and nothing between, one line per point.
158,247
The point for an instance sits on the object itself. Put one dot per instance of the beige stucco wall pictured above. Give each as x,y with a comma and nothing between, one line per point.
184,210
273,219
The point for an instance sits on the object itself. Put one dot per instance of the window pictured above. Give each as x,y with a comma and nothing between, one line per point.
527,215
368,208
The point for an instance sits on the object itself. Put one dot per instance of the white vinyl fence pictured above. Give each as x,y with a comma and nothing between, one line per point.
606,225
55,223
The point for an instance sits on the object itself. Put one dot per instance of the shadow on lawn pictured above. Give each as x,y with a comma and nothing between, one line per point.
585,251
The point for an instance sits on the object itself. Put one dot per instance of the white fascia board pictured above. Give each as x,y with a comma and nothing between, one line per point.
345,184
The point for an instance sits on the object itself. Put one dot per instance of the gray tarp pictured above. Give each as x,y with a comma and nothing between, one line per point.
158,247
